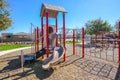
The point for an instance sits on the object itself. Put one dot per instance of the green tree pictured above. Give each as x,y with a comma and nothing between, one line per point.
5,20
97,25
115,27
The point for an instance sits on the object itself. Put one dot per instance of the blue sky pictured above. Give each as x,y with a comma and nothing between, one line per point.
25,12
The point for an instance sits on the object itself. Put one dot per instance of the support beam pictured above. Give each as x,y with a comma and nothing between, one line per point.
73,42
119,44
56,31
47,36
64,36
37,41
82,42
42,33
35,38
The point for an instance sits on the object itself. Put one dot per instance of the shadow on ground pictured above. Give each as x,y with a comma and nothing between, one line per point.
117,77
38,71
10,64
98,68
32,70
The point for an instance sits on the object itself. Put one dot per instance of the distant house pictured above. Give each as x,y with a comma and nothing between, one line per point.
18,37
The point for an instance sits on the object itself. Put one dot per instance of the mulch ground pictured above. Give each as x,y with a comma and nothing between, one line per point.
75,68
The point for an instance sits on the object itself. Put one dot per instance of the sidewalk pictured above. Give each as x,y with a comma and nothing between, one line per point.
13,50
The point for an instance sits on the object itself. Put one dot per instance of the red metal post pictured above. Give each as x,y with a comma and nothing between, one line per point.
37,37
73,42
47,35
82,42
102,40
64,36
119,44
56,31
108,39
42,33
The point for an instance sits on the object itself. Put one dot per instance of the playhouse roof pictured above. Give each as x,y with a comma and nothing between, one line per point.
51,9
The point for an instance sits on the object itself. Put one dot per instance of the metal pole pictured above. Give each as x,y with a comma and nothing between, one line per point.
108,39
31,38
102,40
73,42
82,42
22,61
37,35
64,36
35,38
47,35
42,33
56,31
119,44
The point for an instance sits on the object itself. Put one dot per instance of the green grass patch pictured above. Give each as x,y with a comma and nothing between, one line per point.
72,42
12,46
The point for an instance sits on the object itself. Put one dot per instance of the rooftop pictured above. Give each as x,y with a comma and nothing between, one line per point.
51,9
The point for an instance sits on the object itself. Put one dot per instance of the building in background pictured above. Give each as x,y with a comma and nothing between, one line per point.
18,37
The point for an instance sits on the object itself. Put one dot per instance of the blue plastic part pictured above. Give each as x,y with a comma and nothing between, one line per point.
28,58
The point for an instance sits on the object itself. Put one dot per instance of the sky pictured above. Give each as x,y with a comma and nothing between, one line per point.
25,12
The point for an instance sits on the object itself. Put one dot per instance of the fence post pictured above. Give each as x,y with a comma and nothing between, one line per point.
119,44
82,42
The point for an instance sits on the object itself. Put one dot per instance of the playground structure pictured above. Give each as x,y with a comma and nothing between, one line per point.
91,55
101,46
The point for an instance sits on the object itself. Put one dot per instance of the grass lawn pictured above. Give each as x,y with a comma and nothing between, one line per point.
72,42
12,46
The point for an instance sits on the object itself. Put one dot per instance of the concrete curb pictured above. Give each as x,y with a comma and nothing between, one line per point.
13,50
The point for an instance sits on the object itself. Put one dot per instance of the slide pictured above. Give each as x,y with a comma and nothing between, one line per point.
40,53
55,57
32,57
